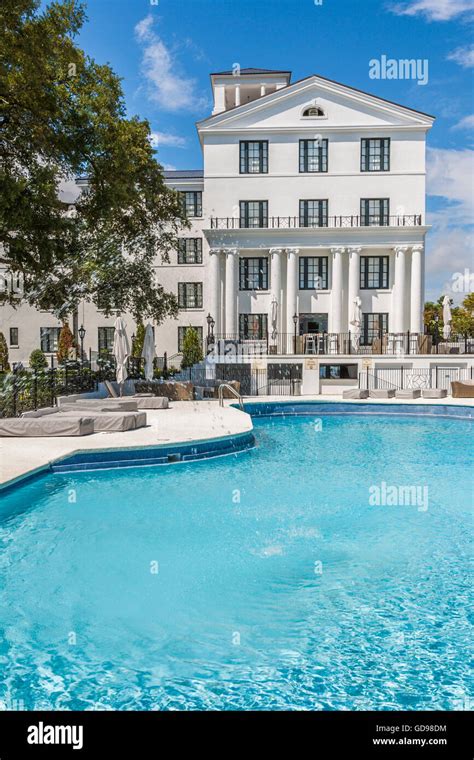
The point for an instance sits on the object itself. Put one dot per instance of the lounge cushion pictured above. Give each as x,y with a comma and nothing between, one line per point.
355,393
151,402
101,405
410,393
112,422
44,412
435,393
46,426
382,393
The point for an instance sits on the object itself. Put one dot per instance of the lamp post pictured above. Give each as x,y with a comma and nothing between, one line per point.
82,334
210,330
295,322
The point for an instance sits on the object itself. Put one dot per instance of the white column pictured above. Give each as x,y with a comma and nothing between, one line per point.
291,288
215,288
231,284
354,280
275,285
398,301
237,94
416,291
335,323
262,90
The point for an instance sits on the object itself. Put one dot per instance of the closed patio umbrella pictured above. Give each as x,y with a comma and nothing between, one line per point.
121,351
274,317
447,317
148,352
356,322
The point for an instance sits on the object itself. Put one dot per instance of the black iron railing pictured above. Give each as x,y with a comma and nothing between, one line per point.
296,222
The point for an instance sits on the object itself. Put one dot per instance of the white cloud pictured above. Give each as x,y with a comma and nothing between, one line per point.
168,88
464,56
434,10
169,167
161,139
449,175
466,123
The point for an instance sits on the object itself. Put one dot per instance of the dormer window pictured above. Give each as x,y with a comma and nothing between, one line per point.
313,111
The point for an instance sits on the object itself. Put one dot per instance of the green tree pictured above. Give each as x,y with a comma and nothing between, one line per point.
4,364
65,343
63,115
38,360
137,346
192,350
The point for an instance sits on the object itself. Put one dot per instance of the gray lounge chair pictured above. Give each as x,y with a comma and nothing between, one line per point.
355,393
115,421
382,393
47,426
409,393
435,393
143,400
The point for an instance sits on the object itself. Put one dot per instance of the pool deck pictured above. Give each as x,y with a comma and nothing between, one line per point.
184,421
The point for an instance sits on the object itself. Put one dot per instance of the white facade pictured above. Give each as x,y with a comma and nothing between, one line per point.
363,239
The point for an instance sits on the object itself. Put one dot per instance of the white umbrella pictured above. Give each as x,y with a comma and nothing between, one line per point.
148,352
447,317
274,317
121,350
356,322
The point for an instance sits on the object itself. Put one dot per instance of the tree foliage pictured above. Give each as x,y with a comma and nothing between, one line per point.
4,364
192,350
137,345
462,316
38,360
65,343
63,115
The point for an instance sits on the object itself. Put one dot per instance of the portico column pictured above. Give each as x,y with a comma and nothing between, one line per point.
215,287
237,94
398,302
231,282
335,324
275,282
416,291
354,280
291,288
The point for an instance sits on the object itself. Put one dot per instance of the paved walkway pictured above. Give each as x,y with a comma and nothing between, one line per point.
183,421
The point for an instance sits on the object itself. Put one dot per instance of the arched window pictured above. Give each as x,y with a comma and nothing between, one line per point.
313,111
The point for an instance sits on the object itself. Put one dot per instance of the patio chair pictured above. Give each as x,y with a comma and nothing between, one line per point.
462,388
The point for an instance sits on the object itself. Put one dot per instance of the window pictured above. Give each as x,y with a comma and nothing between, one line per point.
182,333
253,273
374,212
313,111
192,203
375,154
313,155
253,326
254,213
285,372
49,337
13,336
190,295
373,326
254,157
190,251
313,272
314,213
338,371
373,272
105,340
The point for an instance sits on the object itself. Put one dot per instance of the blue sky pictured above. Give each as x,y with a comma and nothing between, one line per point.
165,49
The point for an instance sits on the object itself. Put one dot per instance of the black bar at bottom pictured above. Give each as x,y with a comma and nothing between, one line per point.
330,734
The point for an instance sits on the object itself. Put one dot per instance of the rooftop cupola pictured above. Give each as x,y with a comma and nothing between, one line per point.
239,86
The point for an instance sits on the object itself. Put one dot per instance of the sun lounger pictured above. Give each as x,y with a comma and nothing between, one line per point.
434,393
99,405
47,426
382,393
409,393
462,389
112,422
355,393
143,400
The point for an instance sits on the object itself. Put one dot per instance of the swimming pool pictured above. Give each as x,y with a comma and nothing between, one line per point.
268,579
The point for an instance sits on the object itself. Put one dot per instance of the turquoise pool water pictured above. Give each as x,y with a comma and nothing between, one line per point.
262,580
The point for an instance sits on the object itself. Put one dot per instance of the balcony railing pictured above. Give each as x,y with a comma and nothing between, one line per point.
294,222
233,347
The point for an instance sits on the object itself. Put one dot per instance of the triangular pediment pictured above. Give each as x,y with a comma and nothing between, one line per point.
342,107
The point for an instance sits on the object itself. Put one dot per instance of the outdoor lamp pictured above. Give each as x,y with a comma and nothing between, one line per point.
82,333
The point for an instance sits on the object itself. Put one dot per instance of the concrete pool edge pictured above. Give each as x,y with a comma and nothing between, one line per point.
291,408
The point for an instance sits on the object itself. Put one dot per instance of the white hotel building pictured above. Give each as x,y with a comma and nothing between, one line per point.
311,196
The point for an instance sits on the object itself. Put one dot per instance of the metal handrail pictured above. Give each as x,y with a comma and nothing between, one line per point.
237,395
